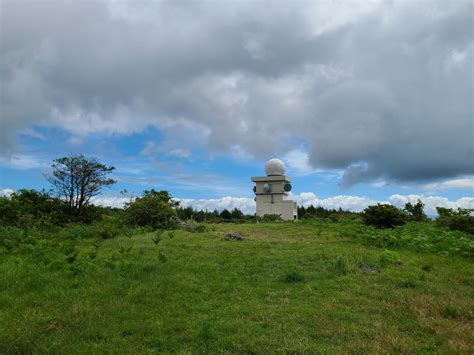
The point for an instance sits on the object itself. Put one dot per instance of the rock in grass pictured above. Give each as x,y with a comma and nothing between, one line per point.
368,270
233,236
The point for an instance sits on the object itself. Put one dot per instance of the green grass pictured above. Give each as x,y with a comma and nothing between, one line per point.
287,287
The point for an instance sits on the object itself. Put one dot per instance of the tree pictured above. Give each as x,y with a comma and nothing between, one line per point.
383,215
237,214
225,214
155,209
416,211
77,179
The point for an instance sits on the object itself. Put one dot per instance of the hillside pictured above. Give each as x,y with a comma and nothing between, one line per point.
296,287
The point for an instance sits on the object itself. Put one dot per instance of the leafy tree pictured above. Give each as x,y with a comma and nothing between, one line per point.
415,212
155,209
226,215
77,179
383,215
236,213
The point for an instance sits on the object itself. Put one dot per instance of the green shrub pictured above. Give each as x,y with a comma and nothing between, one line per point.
422,236
194,227
162,257
389,257
459,220
408,283
450,312
415,212
293,277
383,216
341,265
155,209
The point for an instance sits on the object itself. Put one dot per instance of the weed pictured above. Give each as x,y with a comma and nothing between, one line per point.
450,312
162,257
157,238
409,283
206,333
293,277
427,268
341,265
389,257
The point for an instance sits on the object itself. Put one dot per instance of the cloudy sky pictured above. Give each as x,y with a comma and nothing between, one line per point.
365,101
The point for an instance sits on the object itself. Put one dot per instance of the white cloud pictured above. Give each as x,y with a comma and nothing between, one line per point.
465,183
337,75
297,162
24,162
350,203
6,192
180,153
431,202
110,201
246,205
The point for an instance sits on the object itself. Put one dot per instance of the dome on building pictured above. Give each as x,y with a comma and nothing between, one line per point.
275,167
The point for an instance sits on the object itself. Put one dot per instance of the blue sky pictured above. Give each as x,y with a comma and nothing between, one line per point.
365,101
194,174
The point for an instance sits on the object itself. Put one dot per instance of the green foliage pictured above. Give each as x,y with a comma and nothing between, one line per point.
31,208
76,179
236,215
341,265
162,257
415,212
269,218
293,276
194,227
226,215
155,209
389,257
312,212
450,312
425,237
383,216
157,238
459,219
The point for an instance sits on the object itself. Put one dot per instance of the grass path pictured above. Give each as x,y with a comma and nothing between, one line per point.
285,288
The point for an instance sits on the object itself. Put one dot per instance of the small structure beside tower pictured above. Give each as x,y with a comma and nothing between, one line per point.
272,192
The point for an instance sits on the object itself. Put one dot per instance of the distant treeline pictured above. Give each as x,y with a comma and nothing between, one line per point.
76,179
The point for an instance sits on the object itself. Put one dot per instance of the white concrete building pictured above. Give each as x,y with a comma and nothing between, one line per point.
272,192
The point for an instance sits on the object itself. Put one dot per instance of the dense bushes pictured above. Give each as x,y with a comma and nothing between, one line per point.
311,212
32,208
460,219
422,236
383,215
235,215
155,209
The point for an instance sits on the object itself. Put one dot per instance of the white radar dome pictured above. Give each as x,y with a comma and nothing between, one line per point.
275,167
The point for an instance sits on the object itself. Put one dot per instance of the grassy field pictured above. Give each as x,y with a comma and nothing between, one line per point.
287,287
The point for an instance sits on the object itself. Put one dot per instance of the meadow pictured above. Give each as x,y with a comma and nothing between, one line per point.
331,286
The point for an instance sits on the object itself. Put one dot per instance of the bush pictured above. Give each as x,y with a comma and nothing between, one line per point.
154,209
422,236
341,265
383,216
293,277
389,257
193,227
459,220
415,212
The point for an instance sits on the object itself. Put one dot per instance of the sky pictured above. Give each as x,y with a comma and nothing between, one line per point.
365,101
